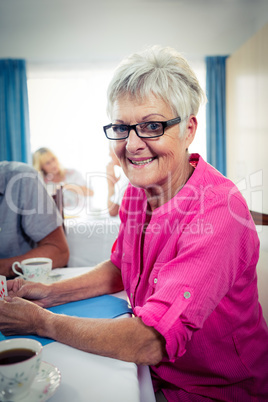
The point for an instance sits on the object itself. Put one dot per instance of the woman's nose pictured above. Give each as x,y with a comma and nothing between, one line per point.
134,142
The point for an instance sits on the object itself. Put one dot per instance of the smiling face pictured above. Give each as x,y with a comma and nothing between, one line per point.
158,165
50,164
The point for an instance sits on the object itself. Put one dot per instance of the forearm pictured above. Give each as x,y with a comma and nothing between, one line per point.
126,339
53,246
105,278
87,191
113,208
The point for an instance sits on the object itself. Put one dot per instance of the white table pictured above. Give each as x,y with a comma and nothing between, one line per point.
88,377
90,238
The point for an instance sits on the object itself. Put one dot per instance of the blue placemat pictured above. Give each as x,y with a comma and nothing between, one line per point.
97,307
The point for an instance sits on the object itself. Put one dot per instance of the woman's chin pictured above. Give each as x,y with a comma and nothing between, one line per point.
143,183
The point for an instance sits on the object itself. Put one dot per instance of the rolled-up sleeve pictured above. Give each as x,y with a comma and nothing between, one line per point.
170,324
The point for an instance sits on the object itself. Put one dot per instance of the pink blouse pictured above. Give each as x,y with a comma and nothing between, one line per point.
193,278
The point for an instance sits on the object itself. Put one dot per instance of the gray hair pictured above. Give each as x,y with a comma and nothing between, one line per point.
161,71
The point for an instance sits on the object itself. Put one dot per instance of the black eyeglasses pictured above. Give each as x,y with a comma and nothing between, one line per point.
149,129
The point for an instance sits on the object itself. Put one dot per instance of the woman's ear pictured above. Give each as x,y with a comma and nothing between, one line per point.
191,127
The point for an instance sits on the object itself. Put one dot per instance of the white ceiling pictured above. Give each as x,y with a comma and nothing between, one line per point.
87,31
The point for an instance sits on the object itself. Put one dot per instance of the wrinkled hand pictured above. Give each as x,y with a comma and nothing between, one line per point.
18,316
36,292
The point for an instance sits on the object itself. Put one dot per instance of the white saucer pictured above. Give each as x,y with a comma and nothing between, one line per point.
53,277
45,384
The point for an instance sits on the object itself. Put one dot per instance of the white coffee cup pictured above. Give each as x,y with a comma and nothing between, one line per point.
16,378
34,269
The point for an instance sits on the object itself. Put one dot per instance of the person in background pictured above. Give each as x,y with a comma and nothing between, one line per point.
74,185
117,183
30,225
186,253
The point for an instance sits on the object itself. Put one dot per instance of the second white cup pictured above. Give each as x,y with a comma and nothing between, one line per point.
34,269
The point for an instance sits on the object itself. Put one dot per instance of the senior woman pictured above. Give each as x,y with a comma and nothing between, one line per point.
186,252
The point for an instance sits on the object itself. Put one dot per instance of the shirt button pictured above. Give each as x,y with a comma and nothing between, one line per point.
131,295
155,280
187,295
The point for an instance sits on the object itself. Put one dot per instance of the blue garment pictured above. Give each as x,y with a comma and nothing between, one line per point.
27,212
14,111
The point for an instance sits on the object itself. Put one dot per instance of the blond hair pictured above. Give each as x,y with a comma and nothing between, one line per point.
38,160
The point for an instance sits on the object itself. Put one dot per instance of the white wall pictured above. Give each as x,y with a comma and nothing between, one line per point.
247,124
247,135
86,31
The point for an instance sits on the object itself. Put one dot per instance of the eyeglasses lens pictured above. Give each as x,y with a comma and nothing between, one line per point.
148,129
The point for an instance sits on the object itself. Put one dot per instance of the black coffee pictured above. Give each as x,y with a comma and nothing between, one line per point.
36,263
12,356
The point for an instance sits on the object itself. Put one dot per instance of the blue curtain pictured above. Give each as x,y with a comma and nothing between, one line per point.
216,112
14,112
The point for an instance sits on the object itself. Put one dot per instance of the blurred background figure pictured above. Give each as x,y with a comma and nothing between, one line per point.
117,183
75,187
30,225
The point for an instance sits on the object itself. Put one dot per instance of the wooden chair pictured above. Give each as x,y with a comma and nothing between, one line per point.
262,266
58,198
259,218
